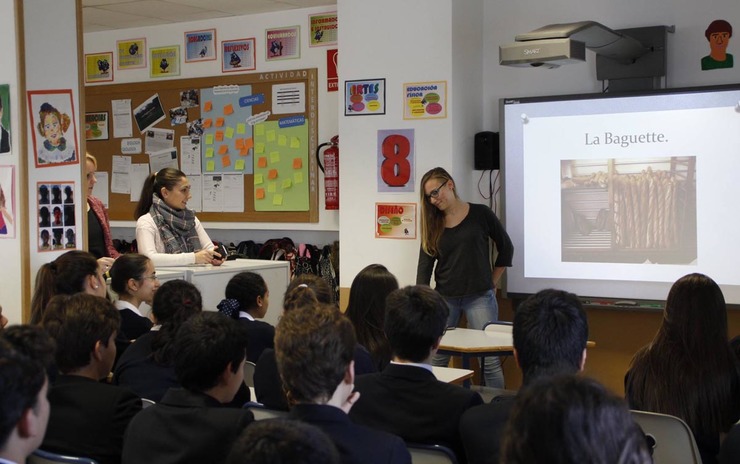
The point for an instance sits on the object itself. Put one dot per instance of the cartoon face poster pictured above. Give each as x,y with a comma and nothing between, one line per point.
718,34
53,125
56,215
283,43
7,202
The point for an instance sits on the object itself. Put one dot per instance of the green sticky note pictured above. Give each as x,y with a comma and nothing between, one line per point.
210,166
277,199
274,157
209,152
229,132
272,187
258,179
259,129
239,165
209,139
241,128
259,148
271,136
298,177
295,142
287,183
282,140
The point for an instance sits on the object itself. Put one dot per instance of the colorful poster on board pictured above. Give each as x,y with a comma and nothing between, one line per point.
238,55
131,54
200,45
98,67
425,100
96,126
364,97
395,220
324,29
56,215
283,43
396,160
7,202
54,128
5,142
165,61
332,76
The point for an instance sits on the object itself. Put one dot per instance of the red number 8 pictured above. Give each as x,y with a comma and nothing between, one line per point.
395,169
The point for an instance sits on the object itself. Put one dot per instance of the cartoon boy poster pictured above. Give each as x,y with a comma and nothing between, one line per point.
718,34
54,127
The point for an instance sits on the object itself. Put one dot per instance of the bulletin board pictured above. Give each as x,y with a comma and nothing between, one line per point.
263,126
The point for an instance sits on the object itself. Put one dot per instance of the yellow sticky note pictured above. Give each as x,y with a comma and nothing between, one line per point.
229,132
241,128
219,122
298,177
274,157
259,129
282,140
223,149
259,148
207,123
262,162
272,187
297,163
260,193
208,106
210,165
295,142
228,109
287,183
209,152
226,161
277,199
209,139
271,136
239,165
258,179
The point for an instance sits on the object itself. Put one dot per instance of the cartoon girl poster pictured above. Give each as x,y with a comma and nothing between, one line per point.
7,202
54,127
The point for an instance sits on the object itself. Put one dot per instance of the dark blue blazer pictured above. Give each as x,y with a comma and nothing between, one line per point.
260,336
482,429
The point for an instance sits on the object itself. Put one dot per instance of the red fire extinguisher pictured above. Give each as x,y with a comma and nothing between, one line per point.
330,168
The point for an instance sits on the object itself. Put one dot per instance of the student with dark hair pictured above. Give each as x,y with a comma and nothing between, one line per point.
315,348
135,281
24,407
247,300
148,365
192,424
568,419
366,310
88,417
73,272
689,369
166,230
34,342
405,398
550,333
283,441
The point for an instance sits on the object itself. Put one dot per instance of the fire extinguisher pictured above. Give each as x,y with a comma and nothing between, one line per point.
330,168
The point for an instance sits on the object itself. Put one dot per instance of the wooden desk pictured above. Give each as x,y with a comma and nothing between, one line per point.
451,374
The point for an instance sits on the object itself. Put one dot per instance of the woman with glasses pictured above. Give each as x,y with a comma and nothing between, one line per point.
456,236
134,280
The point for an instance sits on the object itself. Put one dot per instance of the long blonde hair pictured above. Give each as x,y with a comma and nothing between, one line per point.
432,219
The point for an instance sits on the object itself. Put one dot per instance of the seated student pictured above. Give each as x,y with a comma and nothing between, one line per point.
192,424
314,347
133,278
568,419
247,299
405,398
88,417
283,441
24,407
34,342
550,333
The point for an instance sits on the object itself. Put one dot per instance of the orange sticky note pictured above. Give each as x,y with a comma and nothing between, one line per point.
219,136
239,144
272,174
248,143
297,163
262,162
223,149
228,109
260,193
244,151
208,106
207,123
219,122
226,161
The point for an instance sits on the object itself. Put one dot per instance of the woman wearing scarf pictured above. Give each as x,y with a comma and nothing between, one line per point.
166,231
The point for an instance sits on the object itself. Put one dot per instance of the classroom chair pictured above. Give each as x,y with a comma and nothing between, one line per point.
46,457
430,454
145,403
670,438
260,412
249,373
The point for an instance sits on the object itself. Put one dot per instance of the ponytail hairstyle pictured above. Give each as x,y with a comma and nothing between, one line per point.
241,293
321,290
127,266
175,302
164,178
64,276
432,219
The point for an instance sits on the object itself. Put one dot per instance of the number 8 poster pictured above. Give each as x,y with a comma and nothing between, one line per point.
396,160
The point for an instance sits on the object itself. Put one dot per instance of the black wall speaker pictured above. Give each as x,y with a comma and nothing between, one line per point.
486,151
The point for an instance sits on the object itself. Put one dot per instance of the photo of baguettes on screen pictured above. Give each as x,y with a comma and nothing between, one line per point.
629,210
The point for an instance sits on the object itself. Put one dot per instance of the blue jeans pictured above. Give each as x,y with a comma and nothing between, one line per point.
479,309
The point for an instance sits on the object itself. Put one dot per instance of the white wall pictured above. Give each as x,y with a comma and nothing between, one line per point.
236,28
